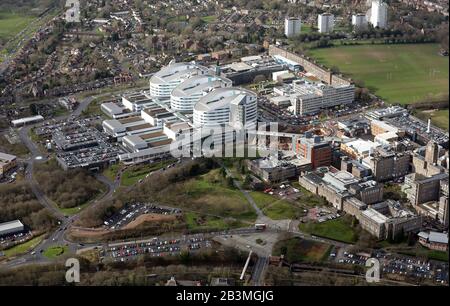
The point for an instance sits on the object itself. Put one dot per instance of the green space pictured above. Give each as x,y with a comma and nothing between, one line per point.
422,252
306,28
23,247
112,171
209,19
12,23
403,74
73,210
208,194
135,173
308,199
55,251
275,208
438,117
300,250
196,221
338,229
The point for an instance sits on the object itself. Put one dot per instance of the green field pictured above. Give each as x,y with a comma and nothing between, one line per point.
299,250
274,208
337,229
55,251
24,247
398,73
11,24
209,195
438,117
201,222
132,175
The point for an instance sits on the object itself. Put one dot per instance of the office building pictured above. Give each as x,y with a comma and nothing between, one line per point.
310,97
386,164
420,189
292,26
314,149
378,14
325,23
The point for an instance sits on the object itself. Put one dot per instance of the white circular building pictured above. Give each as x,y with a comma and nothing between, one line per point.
226,105
189,92
164,81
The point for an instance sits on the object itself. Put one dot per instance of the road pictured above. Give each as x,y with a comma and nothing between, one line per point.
57,237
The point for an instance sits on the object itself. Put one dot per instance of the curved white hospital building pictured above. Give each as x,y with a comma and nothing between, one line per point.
226,105
188,93
164,81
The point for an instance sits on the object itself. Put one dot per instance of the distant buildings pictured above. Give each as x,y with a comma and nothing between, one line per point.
325,23
359,21
420,189
292,26
378,14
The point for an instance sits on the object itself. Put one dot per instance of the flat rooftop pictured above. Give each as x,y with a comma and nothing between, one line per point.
139,127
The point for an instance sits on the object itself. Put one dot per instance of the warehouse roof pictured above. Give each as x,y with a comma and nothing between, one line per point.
10,225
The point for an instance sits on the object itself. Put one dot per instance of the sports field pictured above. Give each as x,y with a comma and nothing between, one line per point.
398,73
11,24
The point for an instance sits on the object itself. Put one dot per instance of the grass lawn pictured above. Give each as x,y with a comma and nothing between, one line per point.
12,23
298,250
24,247
273,207
438,117
308,199
201,222
208,194
337,229
132,175
73,210
398,73
55,251
111,172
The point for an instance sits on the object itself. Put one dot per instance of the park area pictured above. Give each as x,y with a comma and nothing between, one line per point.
338,229
402,74
11,24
